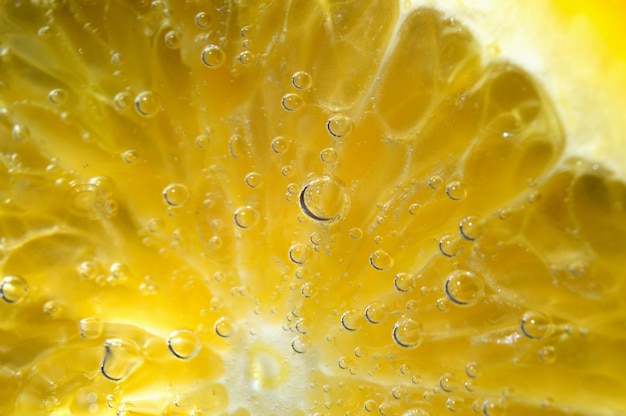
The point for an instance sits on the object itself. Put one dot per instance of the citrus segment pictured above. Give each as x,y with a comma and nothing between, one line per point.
299,208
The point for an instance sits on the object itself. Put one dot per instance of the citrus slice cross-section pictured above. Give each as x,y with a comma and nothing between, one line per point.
295,208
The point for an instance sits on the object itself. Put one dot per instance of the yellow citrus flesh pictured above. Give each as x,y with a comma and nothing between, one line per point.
306,208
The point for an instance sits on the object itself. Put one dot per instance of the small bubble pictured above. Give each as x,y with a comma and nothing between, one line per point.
13,289
224,328
472,369
547,354
504,213
385,409
303,325
381,260
246,31
352,320
57,96
448,382
493,407
435,182
370,405
112,401
122,100
121,358
464,288
407,333
308,290
130,156
398,392
90,328
147,103
203,20
246,216
292,102
375,312
117,58
213,56
52,309
253,180
245,57
287,172
20,133
301,344
183,343
175,194
470,228
339,125
533,197
324,200
414,209
236,146
535,325
455,404
442,304
172,39
44,32
201,141
449,246
456,191
404,282
356,233
279,144
301,80
328,155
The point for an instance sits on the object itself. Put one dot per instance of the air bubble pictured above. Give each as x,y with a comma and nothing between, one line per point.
172,39
339,125
301,80
287,172
203,20
370,405
455,404
449,246
356,233
130,156
407,333
175,194
279,144
547,354
52,309
245,57
253,180
381,260
236,146
404,282
20,133
13,289
472,369
87,269
309,290
435,182
57,96
442,304
352,320
328,155
292,102
301,344
121,358
414,209
415,412
493,407
201,141
324,200
456,191
122,100
470,228
117,58
299,253
504,213
246,217
464,288
147,103
224,327
535,325
90,328
184,344
448,382
213,56
375,312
